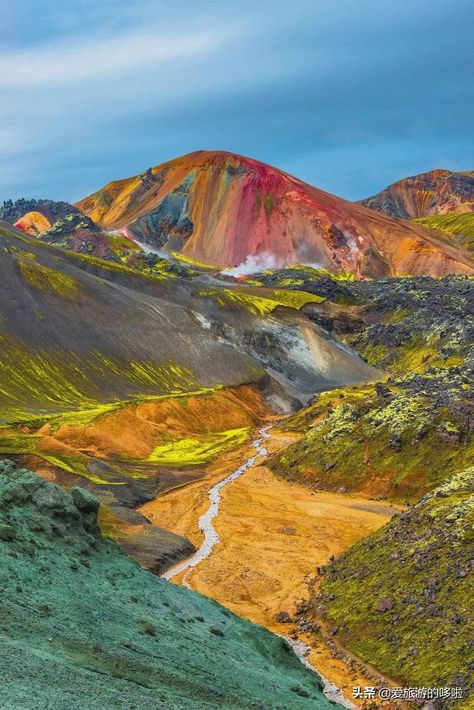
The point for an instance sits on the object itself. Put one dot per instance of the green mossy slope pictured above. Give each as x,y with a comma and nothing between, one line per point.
403,598
460,226
84,627
413,429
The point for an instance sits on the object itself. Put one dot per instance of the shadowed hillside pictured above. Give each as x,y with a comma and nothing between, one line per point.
77,331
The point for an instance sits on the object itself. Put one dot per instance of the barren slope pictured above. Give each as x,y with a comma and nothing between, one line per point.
425,195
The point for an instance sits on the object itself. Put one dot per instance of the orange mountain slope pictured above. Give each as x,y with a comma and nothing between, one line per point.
224,209
425,195
33,223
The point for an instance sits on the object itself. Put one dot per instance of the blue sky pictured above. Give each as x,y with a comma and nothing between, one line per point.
346,95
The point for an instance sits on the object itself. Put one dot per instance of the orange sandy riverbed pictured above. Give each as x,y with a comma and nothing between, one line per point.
273,536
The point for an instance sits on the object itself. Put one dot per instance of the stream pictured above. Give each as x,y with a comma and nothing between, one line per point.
211,538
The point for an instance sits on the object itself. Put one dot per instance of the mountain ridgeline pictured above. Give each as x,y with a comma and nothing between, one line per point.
438,192
227,210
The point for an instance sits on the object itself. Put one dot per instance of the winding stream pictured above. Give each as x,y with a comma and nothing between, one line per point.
211,538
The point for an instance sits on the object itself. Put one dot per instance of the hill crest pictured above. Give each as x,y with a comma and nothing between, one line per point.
436,192
223,209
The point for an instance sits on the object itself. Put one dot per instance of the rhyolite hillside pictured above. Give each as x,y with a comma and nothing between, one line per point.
84,626
227,210
437,192
104,371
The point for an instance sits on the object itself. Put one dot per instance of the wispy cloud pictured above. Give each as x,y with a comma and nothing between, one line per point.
348,96
80,59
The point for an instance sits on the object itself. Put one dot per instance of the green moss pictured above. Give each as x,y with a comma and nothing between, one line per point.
78,466
32,382
193,262
289,281
375,353
268,204
384,592
398,315
262,301
196,451
459,226
395,444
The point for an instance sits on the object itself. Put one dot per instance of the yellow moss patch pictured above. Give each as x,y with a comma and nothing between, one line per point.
261,305
43,278
193,451
193,262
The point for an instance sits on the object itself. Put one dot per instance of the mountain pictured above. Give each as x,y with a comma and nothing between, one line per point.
437,192
134,334
227,210
51,210
33,223
83,626
100,365
412,430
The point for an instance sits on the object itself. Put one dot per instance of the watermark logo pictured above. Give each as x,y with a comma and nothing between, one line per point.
370,692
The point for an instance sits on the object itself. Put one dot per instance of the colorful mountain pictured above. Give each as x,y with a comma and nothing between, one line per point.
100,363
438,192
227,210
33,223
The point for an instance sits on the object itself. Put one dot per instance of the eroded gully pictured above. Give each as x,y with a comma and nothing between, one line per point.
211,538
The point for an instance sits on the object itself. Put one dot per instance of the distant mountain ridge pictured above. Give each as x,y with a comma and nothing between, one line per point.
437,192
226,210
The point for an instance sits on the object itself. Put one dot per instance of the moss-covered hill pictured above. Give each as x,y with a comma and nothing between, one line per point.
459,226
403,599
412,430
76,331
84,627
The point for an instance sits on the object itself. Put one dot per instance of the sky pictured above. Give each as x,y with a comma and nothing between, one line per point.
349,96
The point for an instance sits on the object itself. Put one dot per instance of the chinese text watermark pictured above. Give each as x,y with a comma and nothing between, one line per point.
371,692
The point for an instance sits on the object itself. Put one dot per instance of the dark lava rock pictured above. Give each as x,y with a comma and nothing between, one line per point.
395,442
382,390
283,617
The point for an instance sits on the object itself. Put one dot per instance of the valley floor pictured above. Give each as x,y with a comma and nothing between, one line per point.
273,536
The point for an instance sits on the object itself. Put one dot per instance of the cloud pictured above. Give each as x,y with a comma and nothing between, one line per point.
346,96
68,63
